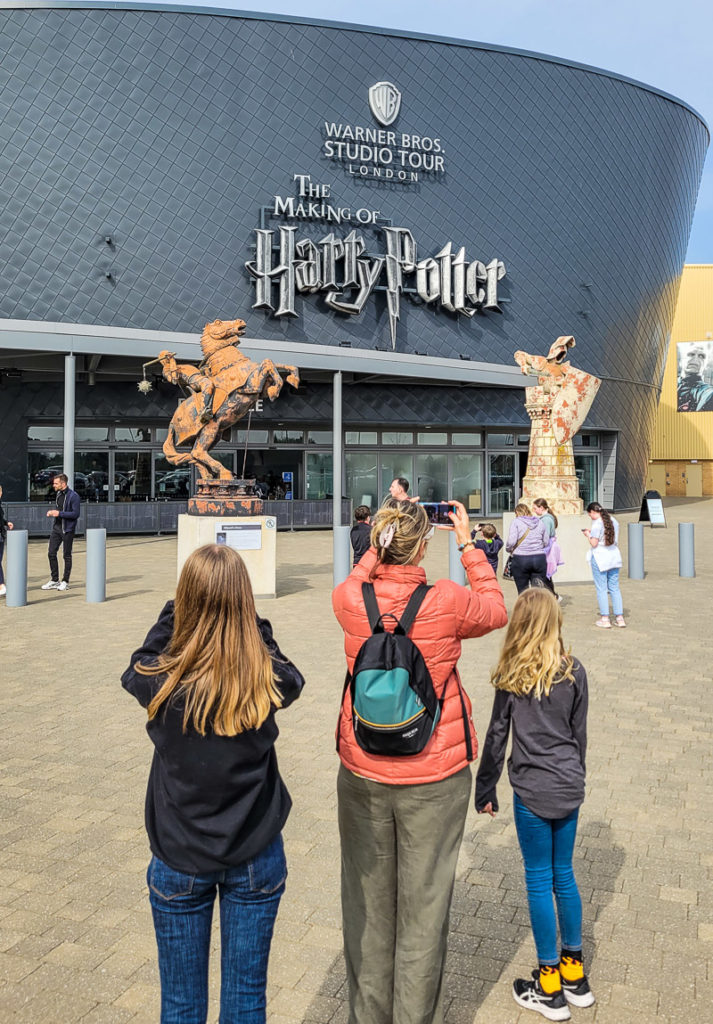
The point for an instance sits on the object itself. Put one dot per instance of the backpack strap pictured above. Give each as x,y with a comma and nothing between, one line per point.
372,608
411,609
466,725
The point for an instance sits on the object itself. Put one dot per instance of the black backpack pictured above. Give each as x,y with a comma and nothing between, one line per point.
394,704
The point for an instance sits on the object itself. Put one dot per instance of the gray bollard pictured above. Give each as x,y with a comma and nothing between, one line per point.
16,569
456,572
341,554
96,566
686,550
636,551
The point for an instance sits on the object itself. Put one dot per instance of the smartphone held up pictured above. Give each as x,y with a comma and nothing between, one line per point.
437,512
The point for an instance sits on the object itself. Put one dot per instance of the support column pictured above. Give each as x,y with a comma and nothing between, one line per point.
69,406
340,534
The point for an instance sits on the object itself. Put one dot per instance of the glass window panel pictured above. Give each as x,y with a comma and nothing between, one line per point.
361,481
320,436
132,476
433,437
288,436
467,437
431,478
523,439
360,437
138,434
586,441
501,469
585,466
161,433
225,458
319,475
42,467
500,440
466,474
394,464
91,475
39,433
395,437
82,433
171,482
256,437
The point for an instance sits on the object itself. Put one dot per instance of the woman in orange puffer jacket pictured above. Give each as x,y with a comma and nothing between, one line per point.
401,819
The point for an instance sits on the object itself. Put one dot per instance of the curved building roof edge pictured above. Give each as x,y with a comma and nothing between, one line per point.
347,26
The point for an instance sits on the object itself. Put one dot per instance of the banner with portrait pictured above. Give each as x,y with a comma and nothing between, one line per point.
694,376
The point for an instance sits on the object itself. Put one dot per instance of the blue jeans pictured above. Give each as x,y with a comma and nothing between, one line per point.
547,846
182,907
607,582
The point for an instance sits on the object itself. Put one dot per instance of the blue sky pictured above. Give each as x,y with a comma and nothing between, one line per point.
664,44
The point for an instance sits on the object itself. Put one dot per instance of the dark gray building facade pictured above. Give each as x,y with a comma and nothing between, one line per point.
344,190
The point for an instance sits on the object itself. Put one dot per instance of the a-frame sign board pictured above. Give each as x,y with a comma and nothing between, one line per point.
652,509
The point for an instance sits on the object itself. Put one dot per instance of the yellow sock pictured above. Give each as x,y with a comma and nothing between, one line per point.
550,980
571,968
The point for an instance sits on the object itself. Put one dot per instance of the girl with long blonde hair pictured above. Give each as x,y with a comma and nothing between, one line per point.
211,678
541,694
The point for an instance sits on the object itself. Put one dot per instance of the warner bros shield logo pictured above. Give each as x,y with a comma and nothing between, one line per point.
385,102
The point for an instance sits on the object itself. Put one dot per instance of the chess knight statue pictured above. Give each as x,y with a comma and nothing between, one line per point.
222,389
557,406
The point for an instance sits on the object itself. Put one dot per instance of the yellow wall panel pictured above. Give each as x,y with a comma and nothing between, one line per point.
686,435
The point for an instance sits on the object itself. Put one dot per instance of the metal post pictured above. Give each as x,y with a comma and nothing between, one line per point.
340,534
456,572
636,551
686,550
69,404
16,568
96,566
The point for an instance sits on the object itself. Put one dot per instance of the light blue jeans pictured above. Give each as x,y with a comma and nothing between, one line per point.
607,583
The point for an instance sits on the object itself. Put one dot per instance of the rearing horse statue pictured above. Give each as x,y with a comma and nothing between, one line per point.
225,387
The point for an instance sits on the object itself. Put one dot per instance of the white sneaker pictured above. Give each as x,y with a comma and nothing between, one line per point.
3,590
50,585
63,585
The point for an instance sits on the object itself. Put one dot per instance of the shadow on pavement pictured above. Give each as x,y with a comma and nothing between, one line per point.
490,926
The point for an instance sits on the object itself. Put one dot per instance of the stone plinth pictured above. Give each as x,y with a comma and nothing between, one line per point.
550,466
225,498
573,544
254,538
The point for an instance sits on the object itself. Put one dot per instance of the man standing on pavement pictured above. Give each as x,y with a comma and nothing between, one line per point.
65,522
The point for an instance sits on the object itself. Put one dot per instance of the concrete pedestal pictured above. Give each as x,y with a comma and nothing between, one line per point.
253,537
573,544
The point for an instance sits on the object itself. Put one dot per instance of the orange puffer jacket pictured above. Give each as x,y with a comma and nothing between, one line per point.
450,613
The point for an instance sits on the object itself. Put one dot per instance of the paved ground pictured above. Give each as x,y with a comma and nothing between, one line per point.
76,942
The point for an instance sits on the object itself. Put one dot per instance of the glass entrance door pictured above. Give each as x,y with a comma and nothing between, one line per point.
501,482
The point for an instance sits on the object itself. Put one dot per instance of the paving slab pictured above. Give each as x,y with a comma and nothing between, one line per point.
76,941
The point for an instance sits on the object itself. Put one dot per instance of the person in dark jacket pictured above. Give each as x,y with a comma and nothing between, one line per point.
360,534
211,677
65,517
541,694
4,527
489,542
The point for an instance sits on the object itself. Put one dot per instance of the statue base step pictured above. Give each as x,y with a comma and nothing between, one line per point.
225,498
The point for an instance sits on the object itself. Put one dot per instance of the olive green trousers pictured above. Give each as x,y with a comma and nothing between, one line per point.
399,852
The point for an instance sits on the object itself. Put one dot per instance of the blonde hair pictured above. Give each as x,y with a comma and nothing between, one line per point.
410,526
522,509
533,657
216,662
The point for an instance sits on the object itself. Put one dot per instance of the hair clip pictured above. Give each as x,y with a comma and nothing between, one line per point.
387,535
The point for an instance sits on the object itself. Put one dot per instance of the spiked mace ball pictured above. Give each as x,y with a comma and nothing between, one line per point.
144,386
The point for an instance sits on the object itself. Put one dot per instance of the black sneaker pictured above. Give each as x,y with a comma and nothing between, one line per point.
530,996
578,993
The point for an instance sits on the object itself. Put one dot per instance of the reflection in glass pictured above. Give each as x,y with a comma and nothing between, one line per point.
171,482
431,478
501,470
500,440
466,474
38,433
42,467
132,476
91,475
585,466
320,436
396,437
432,437
360,437
360,482
467,437
319,475
256,436
83,433
288,436
138,434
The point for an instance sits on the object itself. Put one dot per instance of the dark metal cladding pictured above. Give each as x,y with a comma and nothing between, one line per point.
170,133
